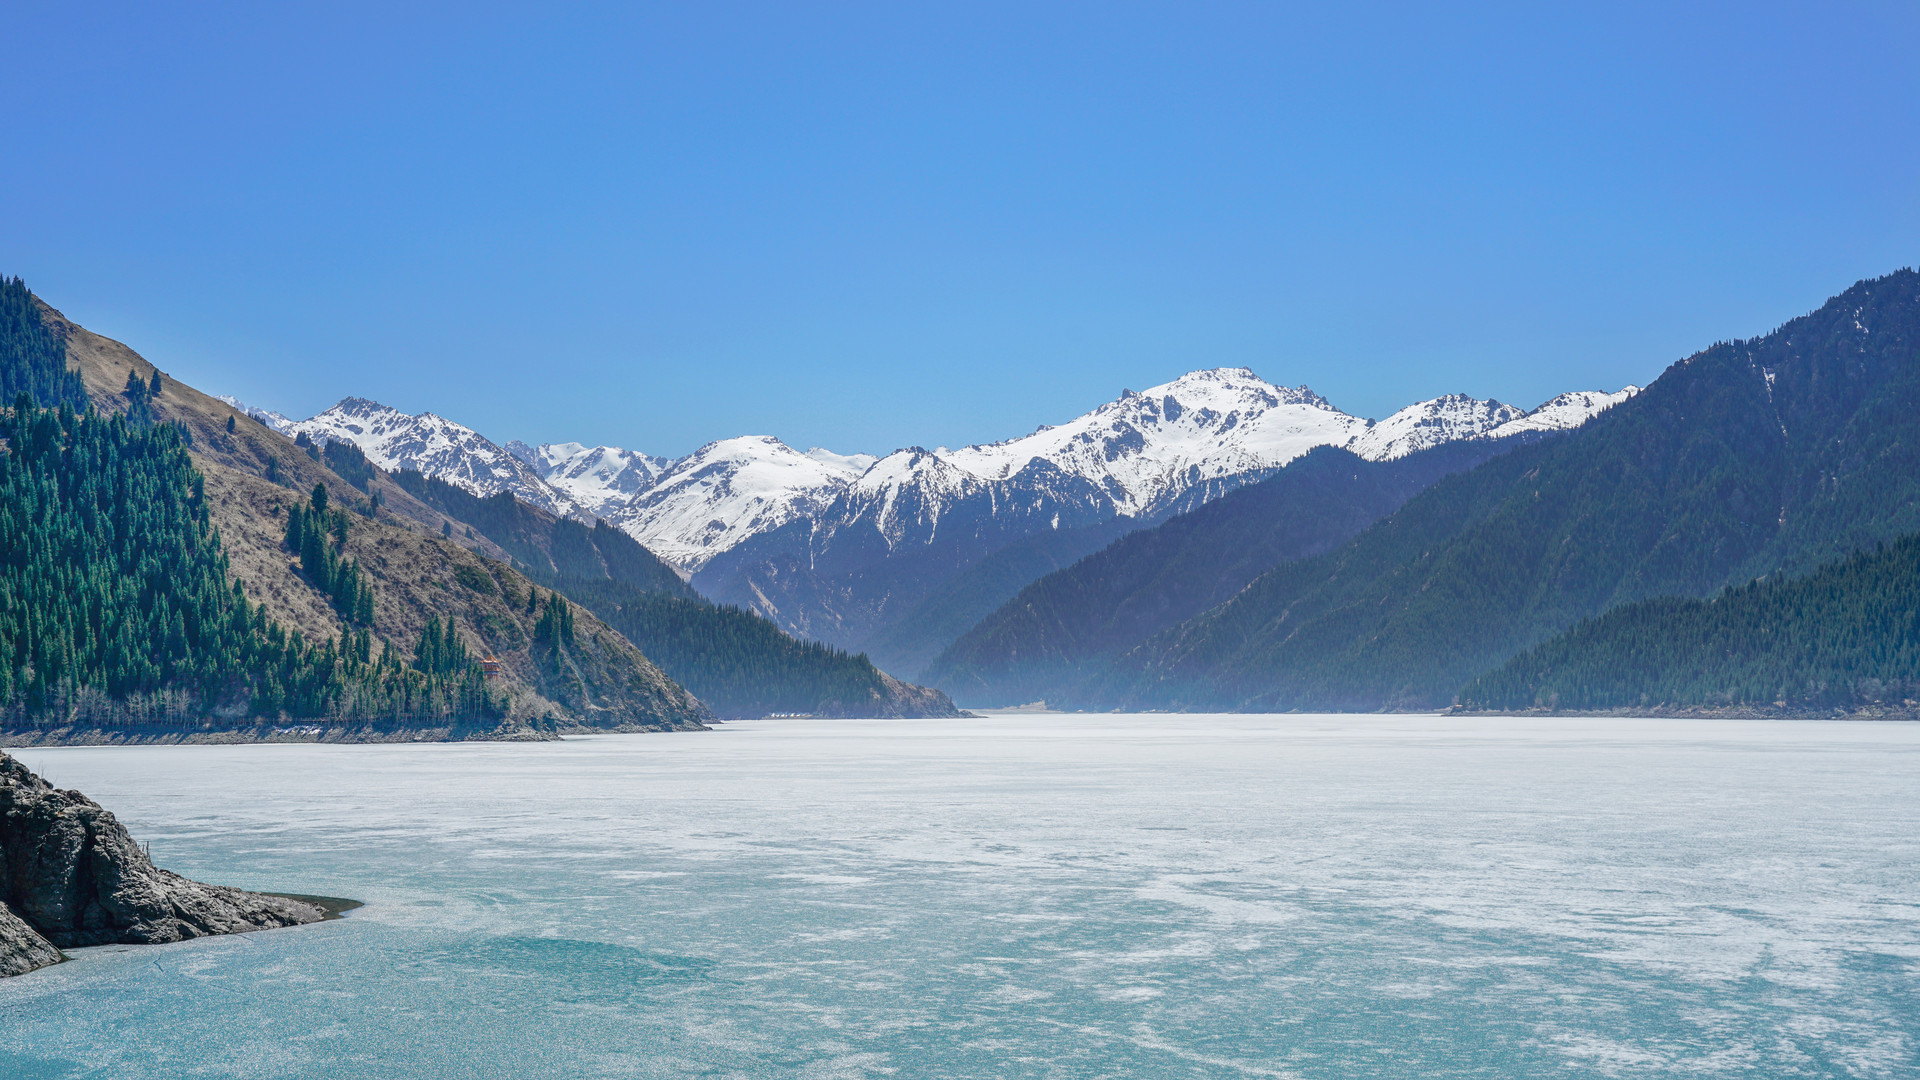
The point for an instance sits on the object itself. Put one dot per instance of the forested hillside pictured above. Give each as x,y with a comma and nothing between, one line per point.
736,662
1846,637
116,609
355,572
1749,458
914,639
743,665
543,545
1061,632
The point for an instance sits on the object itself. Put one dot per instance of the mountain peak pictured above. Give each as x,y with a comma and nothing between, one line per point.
359,406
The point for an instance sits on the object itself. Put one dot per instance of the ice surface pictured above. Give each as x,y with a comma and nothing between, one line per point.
1025,896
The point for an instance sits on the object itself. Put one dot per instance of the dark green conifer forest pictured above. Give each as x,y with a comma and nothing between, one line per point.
317,533
116,608
1844,637
737,662
33,359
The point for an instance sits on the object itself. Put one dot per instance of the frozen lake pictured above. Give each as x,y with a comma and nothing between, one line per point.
1024,896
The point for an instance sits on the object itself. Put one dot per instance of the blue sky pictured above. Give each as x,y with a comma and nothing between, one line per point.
867,226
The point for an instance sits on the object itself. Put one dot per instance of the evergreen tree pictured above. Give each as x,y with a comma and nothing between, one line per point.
33,359
116,610
1846,636
136,394
318,535
554,630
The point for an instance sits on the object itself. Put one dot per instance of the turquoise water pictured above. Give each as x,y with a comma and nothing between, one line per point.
1025,896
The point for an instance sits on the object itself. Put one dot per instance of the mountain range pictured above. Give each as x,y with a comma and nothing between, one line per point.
1737,535
1752,458
896,555
292,579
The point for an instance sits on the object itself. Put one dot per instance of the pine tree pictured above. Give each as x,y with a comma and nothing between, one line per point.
114,598
33,359
319,536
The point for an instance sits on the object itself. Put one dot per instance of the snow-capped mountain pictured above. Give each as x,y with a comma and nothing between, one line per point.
726,491
857,570
1139,456
1135,456
1429,423
1565,412
600,478
1152,446
437,447
1142,455
1457,416
835,545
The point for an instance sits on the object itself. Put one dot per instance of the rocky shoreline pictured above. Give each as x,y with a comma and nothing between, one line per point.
71,876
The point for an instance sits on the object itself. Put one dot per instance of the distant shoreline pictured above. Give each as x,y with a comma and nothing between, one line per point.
1731,712
276,733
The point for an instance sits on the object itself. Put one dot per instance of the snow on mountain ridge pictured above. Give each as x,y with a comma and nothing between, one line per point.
1189,416
600,478
1568,410
1425,424
1141,454
436,447
728,490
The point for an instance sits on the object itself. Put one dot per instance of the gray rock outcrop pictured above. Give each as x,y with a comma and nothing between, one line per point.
71,876
21,947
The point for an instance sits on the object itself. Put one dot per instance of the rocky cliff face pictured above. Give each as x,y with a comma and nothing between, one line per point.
22,949
71,876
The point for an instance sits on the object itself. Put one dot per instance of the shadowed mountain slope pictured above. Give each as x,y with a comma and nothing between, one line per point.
738,663
1843,639
1061,632
1748,458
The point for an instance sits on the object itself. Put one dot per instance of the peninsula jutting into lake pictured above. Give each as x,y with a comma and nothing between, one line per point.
74,877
